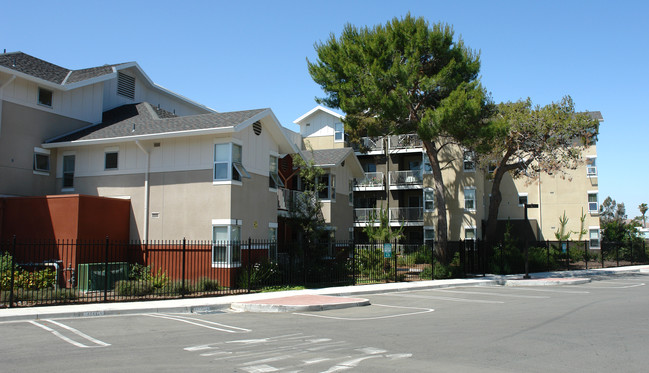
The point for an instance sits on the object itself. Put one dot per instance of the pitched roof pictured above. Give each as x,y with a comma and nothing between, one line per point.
595,115
327,157
26,64
136,120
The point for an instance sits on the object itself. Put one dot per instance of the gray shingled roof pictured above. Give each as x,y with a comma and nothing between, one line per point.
326,157
595,115
144,119
38,68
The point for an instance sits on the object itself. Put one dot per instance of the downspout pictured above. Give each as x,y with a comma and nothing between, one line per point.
2,87
146,190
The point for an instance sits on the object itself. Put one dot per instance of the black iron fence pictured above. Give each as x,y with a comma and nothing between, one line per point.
55,272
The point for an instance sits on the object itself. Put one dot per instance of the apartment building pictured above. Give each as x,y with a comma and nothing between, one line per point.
397,178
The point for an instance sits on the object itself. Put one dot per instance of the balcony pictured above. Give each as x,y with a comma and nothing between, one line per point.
369,144
406,215
411,179
405,142
290,200
371,181
365,215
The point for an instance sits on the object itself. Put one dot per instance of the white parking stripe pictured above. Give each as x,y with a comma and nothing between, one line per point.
594,286
525,288
489,293
80,334
442,298
199,322
70,341
423,310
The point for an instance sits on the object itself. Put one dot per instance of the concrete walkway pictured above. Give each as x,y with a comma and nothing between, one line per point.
301,300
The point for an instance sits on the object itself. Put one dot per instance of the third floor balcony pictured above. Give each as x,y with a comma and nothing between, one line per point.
410,179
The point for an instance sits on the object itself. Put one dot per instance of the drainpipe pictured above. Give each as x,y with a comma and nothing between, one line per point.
146,190
2,87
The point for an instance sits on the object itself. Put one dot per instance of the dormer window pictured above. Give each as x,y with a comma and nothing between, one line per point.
44,97
126,86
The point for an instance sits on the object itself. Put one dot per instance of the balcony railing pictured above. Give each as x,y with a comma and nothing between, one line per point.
409,141
369,144
371,179
291,200
406,178
365,215
408,214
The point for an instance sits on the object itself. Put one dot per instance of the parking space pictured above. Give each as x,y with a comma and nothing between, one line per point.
595,326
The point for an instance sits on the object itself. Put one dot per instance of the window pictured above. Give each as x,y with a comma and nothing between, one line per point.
44,97
339,131
369,167
429,199
469,233
591,167
273,178
593,206
228,163
593,234
110,160
351,192
429,235
522,199
469,161
328,189
68,171
41,160
272,241
226,245
428,169
126,85
469,198
491,167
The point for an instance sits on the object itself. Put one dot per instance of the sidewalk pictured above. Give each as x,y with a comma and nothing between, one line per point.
302,300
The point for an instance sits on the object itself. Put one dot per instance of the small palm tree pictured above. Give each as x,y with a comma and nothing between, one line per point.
643,210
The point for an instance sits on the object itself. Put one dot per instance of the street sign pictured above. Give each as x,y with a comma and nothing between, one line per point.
387,250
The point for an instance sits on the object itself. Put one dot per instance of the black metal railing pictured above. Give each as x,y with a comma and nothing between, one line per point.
56,272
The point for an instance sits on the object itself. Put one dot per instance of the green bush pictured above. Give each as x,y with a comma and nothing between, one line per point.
133,288
426,273
207,284
263,273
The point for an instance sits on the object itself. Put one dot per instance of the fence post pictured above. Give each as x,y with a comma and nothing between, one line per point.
432,260
547,249
183,291
567,255
617,253
396,275
13,271
631,244
106,271
353,260
586,253
601,252
249,264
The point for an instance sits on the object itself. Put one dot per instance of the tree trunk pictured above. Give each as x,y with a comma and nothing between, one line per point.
441,230
494,204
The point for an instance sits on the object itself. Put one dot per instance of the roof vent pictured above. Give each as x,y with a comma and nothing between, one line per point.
257,128
125,85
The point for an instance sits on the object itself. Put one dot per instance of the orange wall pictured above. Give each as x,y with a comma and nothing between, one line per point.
64,217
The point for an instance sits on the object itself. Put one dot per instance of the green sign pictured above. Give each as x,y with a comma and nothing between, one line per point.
387,250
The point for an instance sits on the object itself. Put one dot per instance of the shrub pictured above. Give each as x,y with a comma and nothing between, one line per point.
133,288
263,273
426,273
207,284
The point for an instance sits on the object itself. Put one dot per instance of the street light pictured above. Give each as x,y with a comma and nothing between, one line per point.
527,249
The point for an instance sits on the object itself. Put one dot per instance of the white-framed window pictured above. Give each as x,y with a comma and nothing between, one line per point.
45,97
328,191
41,161
593,204
591,166
427,168
491,167
522,199
274,180
593,237
226,244
429,199
68,171
429,235
469,199
339,132
272,241
468,161
111,158
228,163
470,233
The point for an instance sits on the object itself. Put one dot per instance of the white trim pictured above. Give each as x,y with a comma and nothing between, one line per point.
111,149
524,194
273,225
475,198
226,222
315,109
41,151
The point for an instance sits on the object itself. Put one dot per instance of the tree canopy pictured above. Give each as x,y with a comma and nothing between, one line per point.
524,139
405,77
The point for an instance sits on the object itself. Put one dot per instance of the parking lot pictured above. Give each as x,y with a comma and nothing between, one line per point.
600,326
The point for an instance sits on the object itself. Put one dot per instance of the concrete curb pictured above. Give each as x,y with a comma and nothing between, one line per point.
257,307
548,282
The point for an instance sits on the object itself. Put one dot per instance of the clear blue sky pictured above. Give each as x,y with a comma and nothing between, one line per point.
234,55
